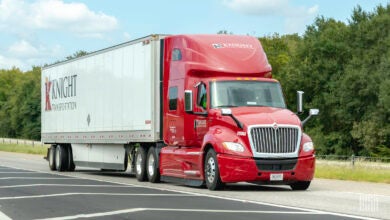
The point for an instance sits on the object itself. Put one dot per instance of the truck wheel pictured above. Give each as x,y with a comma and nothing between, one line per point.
211,171
71,166
140,164
152,167
52,157
301,185
61,158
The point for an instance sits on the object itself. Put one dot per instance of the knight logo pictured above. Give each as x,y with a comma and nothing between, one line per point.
47,87
232,45
60,93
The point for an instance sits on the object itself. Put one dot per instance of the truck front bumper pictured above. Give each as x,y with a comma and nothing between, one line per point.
238,169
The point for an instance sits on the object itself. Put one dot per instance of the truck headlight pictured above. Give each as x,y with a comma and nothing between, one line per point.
308,146
233,146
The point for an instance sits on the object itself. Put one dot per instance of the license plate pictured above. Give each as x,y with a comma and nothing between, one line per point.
276,176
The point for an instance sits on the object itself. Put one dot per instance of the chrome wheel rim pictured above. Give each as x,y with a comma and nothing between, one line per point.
58,157
151,165
210,170
51,158
138,163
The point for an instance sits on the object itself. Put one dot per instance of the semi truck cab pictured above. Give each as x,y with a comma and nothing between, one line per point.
225,118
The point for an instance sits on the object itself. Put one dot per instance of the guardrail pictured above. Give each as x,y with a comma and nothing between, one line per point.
21,142
354,161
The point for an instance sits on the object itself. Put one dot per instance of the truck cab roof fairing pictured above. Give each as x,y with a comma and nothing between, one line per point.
222,53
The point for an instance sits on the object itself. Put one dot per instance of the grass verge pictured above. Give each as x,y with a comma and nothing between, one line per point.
27,149
359,172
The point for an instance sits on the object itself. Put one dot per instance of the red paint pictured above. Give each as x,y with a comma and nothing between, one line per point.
205,59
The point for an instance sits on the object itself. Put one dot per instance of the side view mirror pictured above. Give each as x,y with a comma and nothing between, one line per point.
226,111
188,102
312,112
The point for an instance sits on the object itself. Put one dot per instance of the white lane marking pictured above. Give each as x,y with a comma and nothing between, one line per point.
4,216
66,185
94,194
96,214
206,195
36,178
19,172
126,211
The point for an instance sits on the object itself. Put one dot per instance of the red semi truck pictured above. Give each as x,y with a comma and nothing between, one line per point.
193,109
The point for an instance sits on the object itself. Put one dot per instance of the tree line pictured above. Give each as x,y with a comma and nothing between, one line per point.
343,68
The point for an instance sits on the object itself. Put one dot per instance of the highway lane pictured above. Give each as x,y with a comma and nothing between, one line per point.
28,190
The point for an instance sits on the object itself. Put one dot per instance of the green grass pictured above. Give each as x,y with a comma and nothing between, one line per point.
27,149
361,172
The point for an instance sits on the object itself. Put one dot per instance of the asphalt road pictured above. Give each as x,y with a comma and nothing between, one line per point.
28,190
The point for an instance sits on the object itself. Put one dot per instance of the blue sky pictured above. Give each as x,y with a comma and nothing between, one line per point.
35,32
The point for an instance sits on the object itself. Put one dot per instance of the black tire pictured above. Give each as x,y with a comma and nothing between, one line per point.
62,161
126,162
301,185
140,164
71,164
211,171
52,157
152,170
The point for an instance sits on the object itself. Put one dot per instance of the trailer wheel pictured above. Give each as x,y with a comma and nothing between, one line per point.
52,157
61,158
71,165
211,171
152,166
140,164
301,185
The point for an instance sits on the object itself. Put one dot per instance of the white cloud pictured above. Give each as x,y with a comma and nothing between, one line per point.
77,18
9,63
26,21
295,17
24,55
23,49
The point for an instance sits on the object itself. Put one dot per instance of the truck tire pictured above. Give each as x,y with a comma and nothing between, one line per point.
301,185
52,157
62,162
140,164
71,165
211,171
152,170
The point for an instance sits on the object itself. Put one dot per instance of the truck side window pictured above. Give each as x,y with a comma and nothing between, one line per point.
202,96
172,98
176,54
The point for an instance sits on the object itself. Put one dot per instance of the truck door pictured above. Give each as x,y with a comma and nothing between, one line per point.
200,119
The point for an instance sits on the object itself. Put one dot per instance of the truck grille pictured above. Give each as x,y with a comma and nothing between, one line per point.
274,140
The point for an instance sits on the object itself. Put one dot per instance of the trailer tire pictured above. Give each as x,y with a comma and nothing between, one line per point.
152,169
140,164
211,171
71,165
301,185
52,157
62,162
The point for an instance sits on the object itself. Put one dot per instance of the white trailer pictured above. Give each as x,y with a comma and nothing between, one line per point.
93,106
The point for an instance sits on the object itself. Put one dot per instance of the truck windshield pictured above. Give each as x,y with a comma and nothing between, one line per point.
246,93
